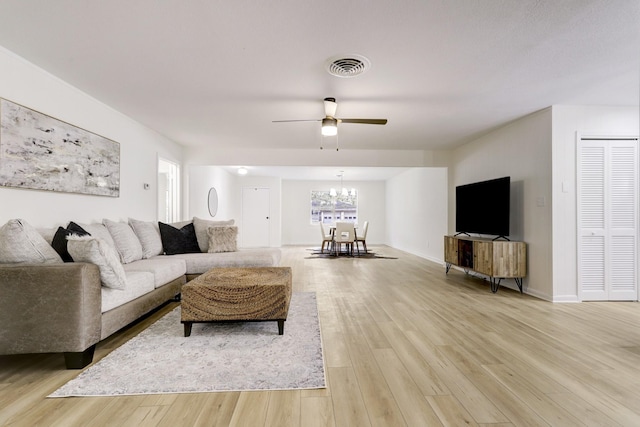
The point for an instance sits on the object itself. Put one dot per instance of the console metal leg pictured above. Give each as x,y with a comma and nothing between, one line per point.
495,284
519,283
448,266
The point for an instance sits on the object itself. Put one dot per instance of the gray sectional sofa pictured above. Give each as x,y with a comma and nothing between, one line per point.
120,272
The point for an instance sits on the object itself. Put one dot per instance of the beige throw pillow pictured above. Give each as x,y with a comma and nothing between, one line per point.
201,226
222,239
96,251
149,235
21,243
127,243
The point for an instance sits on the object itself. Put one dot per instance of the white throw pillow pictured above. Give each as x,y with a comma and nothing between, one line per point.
96,251
21,243
149,235
127,243
201,226
223,239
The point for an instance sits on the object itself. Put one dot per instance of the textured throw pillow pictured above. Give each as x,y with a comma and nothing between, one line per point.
223,239
127,243
21,243
149,236
178,240
59,242
201,226
98,252
101,232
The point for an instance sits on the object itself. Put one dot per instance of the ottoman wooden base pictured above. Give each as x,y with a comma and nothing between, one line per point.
237,294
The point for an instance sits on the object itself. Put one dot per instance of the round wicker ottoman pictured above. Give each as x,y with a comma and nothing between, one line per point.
237,294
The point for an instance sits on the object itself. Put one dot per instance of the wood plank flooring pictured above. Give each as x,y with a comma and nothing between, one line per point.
404,345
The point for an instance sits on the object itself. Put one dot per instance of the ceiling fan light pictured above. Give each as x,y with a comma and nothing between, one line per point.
329,127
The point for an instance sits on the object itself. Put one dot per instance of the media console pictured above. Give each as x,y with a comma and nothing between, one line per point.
496,259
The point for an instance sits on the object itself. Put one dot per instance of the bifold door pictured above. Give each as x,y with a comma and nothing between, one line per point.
607,219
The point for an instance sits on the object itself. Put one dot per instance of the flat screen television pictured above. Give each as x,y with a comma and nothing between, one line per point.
483,207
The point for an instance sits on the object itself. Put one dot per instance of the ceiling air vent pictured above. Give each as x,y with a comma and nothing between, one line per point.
348,65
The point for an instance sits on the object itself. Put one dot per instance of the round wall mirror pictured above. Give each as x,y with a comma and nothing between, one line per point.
213,202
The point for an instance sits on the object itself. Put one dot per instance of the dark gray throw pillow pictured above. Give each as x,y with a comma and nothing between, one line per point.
178,240
59,242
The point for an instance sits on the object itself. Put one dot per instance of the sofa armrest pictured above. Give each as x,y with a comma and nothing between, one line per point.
46,308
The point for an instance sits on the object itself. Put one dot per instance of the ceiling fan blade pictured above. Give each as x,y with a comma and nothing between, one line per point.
286,121
365,121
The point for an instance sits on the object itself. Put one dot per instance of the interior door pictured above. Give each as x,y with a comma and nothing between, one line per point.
607,219
255,217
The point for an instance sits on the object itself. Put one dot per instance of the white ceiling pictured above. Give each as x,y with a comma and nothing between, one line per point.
321,173
217,73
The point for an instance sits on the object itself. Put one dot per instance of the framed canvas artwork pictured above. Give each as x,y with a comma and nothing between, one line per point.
43,153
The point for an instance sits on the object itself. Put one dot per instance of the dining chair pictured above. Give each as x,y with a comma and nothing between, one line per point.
327,239
344,235
361,236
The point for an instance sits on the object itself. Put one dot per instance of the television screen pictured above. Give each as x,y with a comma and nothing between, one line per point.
483,207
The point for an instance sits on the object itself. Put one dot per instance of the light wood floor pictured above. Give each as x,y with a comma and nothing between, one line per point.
404,344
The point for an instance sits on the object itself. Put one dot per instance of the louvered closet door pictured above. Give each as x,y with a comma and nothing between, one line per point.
607,219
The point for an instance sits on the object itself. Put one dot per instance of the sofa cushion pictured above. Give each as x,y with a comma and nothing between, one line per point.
178,240
21,243
59,242
127,243
223,239
138,284
97,251
149,235
201,226
250,257
47,233
164,268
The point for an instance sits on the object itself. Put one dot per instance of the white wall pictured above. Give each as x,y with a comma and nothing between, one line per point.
201,179
296,210
417,212
521,150
28,85
568,123
229,186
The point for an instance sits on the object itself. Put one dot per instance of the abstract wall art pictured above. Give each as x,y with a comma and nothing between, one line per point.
43,153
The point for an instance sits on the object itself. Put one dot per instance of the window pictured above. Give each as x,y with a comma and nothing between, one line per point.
328,206
168,191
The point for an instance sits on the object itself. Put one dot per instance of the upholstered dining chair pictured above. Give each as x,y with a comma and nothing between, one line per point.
361,237
327,239
344,235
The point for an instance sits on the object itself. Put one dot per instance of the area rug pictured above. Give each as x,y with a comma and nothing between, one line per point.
236,356
316,254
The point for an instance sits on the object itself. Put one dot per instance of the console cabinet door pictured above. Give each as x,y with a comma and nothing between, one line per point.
451,250
483,257
509,259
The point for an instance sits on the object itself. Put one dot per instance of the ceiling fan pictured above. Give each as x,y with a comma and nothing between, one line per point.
330,122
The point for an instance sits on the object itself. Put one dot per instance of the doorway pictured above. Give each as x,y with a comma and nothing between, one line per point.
168,191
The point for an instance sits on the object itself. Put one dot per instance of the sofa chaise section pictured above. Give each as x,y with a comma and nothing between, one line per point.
50,309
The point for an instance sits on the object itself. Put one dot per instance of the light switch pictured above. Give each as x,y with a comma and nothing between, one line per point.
540,202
